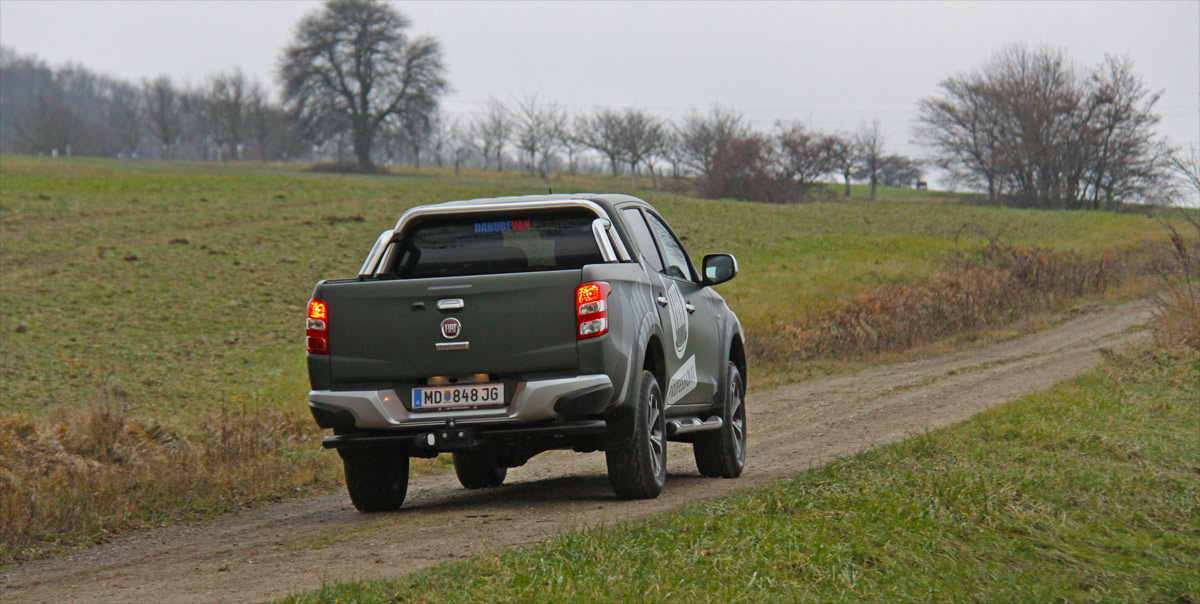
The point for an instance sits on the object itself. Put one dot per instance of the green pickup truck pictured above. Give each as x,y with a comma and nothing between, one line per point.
497,329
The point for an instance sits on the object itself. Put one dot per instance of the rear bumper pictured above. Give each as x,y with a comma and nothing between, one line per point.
446,438
533,401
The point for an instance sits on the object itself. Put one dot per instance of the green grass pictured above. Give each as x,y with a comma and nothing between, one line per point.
1086,493
836,191
95,294
145,307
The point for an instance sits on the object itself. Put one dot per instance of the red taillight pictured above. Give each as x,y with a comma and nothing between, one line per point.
591,310
317,309
316,328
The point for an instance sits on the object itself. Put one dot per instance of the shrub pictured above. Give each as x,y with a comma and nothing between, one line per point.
1178,303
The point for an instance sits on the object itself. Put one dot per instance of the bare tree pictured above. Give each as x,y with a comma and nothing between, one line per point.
461,141
260,124
353,58
1187,166
68,115
83,92
641,136
570,141
701,137
273,132
803,155
124,115
22,80
1039,131
192,136
962,127
491,132
164,115
843,157
538,127
673,152
47,126
870,141
658,153
226,111
1118,155
415,125
1038,97
603,132
557,123
443,138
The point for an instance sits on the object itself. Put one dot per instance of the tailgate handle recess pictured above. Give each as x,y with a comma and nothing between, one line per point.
450,304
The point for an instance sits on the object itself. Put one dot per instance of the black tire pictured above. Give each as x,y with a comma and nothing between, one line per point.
377,480
722,453
476,469
638,468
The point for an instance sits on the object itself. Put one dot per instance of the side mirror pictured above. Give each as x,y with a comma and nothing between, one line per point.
719,268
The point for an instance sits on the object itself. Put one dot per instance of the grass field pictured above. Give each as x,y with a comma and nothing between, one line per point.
1085,493
97,295
152,366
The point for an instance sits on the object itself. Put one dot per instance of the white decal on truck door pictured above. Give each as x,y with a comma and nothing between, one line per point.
679,319
683,382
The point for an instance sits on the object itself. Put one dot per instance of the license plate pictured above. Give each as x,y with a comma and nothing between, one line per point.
442,397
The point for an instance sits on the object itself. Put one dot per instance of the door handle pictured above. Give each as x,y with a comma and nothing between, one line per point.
662,300
691,309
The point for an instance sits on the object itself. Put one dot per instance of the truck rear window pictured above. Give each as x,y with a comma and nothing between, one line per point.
519,242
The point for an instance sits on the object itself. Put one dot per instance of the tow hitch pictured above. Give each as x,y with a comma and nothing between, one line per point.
449,438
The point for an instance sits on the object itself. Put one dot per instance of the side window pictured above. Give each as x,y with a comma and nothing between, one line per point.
676,260
643,238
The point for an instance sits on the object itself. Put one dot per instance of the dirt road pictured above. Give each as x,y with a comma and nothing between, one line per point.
269,552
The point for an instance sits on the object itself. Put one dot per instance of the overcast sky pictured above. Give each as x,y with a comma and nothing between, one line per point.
828,64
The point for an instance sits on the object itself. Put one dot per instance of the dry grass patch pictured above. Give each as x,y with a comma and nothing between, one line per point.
80,475
996,286
1178,304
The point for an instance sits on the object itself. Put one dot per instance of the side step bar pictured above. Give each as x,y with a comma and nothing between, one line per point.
685,425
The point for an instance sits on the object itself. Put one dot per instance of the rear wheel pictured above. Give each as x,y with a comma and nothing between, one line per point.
377,480
477,470
722,453
638,468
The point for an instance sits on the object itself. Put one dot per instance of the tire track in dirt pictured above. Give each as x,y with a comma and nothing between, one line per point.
281,548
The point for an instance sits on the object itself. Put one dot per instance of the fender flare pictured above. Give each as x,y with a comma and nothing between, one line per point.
733,328
646,328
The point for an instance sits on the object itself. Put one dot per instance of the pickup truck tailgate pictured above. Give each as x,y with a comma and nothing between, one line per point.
388,330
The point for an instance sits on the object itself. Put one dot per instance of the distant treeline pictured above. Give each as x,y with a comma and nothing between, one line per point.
1028,127
71,110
